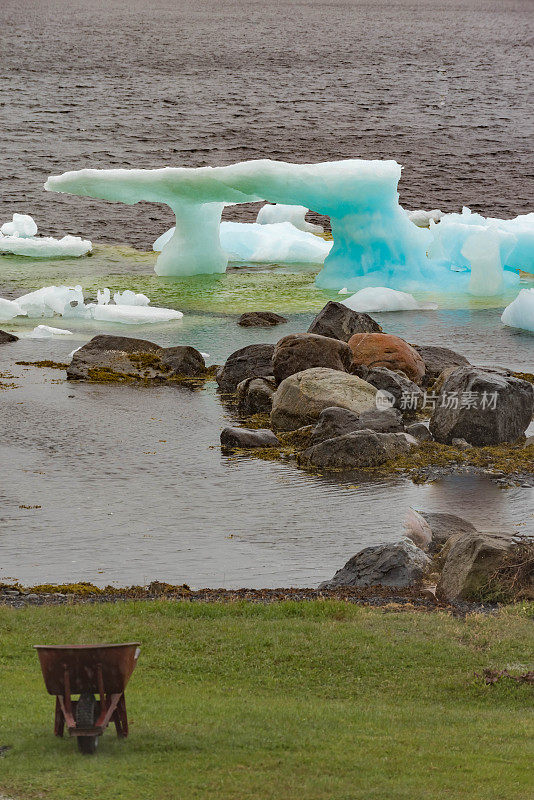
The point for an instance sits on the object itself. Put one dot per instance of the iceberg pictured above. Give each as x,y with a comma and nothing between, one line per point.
276,243
520,312
46,332
62,301
271,214
380,298
375,242
22,225
9,309
131,315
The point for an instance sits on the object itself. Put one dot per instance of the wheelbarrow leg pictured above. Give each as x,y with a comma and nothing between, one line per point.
120,718
59,720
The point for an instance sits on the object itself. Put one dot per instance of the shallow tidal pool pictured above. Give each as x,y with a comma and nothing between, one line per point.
126,484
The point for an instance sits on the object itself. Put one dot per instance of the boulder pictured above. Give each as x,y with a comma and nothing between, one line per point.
300,351
6,337
437,359
126,358
356,450
252,361
444,526
470,562
384,350
407,396
255,395
398,564
482,407
336,421
247,437
339,322
300,398
260,319
420,431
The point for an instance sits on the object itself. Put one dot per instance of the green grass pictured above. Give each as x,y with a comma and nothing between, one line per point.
315,701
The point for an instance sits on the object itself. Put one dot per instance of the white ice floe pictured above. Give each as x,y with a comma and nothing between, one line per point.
276,243
68,302
46,332
380,298
9,309
45,246
344,290
279,212
22,225
422,218
520,312
129,298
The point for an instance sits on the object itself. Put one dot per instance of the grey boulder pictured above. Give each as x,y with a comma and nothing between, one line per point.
407,396
420,431
252,361
300,398
255,395
471,561
260,319
6,337
437,359
339,322
336,421
445,526
248,438
398,564
300,351
357,450
482,407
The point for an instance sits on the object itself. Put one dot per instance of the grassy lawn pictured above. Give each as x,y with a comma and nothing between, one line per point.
315,701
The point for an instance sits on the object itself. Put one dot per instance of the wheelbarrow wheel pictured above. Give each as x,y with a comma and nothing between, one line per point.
86,710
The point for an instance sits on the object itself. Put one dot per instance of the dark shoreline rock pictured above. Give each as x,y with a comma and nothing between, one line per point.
300,351
335,421
374,350
260,319
437,359
398,564
252,361
358,450
339,322
6,337
255,395
248,437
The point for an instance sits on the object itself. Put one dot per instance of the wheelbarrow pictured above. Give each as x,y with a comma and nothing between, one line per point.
87,670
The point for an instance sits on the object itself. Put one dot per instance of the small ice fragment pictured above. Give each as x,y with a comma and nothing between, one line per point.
422,218
205,355
520,312
279,212
344,291
129,298
131,315
46,332
22,226
103,297
9,309
75,351
51,300
380,298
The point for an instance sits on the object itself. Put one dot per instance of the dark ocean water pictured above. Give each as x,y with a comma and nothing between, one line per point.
443,87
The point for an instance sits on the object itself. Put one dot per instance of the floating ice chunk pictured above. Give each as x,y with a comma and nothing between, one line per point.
131,315
344,291
422,218
129,298
269,214
22,225
45,246
520,312
103,297
46,332
205,355
9,309
65,301
380,298
276,243
483,251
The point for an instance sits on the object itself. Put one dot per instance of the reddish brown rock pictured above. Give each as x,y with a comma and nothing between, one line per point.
384,350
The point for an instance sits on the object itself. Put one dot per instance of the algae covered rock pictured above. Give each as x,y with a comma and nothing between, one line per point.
124,358
482,407
339,322
357,450
337,421
398,564
300,398
252,361
300,351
